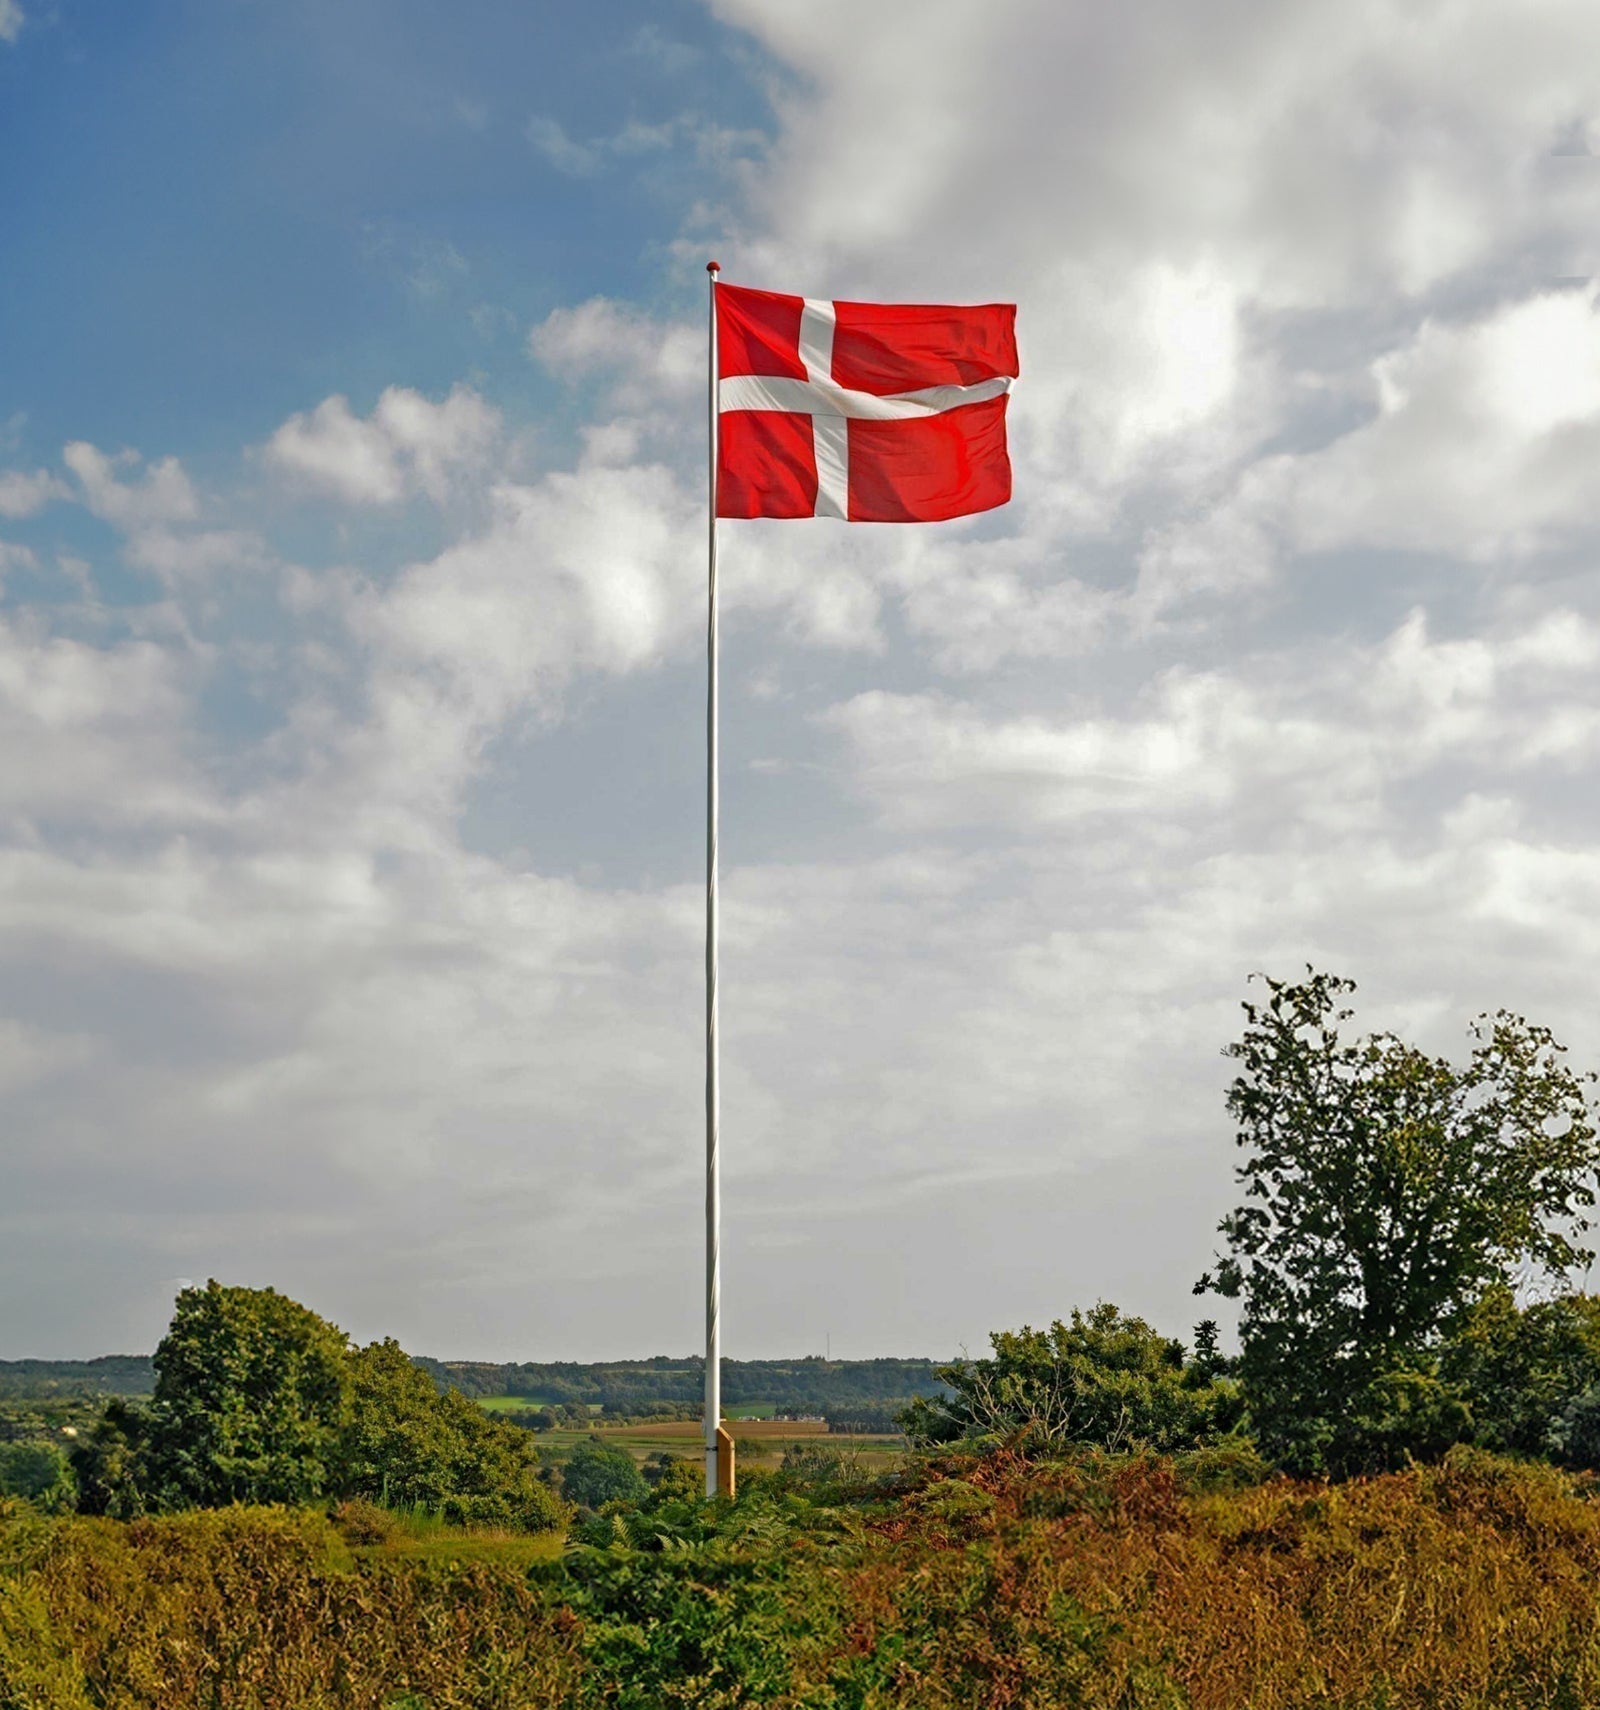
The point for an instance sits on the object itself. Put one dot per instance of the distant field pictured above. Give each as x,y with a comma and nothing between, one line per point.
532,1403
521,1404
690,1428
761,1442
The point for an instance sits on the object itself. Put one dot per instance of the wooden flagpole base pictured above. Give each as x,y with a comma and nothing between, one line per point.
725,1472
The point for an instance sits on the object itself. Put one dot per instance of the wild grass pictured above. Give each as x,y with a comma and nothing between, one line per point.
1106,1584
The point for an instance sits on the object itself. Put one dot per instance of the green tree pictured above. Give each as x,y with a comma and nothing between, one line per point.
1518,1368
1386,1193
598,1473
405,1444
1104,1379
111,1463
37,1472
249,1400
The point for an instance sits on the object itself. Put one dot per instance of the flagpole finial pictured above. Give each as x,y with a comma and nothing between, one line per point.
713,267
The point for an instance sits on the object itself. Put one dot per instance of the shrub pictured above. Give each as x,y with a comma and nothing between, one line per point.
597,1473
1105,1379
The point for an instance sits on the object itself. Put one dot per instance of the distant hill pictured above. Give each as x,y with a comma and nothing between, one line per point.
810,1385
111,1374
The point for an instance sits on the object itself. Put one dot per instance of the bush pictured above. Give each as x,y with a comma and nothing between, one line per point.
37,1472
597,1473
405,1444
1105,1379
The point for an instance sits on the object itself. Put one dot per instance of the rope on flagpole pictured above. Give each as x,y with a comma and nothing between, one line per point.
713,1418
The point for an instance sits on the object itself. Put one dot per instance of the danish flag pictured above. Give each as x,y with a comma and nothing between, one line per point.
869,412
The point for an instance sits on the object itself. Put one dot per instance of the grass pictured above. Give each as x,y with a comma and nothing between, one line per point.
521,1404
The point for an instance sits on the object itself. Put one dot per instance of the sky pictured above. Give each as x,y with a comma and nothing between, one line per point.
352,662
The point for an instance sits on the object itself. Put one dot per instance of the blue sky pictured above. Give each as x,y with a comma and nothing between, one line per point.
351,545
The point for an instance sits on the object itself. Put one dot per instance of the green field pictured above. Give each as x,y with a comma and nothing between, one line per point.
521,1404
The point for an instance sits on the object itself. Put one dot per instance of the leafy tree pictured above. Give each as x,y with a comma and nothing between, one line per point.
249,1400
597,1473
405,1444
1518,1368
1104,1379
1386,1193
37,1472
111,1465
1575,1435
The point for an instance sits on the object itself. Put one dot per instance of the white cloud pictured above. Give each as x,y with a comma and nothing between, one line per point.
12,19
164,495
585,159
647,362
22,494
407,444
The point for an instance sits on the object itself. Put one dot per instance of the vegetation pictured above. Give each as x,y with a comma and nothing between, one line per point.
598,1472
989,1580
1389,1198
1105,1380
258,1400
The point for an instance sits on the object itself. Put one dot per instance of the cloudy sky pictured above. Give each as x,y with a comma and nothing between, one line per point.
351,670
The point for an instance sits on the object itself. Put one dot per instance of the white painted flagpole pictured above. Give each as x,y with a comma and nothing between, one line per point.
713,1085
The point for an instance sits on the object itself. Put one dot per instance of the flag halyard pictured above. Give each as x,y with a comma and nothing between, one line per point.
868,412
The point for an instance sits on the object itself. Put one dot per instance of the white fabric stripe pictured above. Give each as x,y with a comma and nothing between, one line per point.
825,398
830,435
817,322
830,440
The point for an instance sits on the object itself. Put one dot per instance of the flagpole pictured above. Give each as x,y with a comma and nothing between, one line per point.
713,1081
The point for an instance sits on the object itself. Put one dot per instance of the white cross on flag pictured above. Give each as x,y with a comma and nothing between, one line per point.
870,412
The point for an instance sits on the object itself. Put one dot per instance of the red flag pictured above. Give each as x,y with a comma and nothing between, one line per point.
872,412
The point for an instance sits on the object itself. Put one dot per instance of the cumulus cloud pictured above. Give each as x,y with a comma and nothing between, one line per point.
163,495
408,444
21,494
645,361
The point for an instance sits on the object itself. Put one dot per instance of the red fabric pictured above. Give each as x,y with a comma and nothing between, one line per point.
901,347
923,468
758,332
767,468
931,469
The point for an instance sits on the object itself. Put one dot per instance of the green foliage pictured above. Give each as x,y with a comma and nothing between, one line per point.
1104,1379
405,1444
38,1473
1386,1193
259,1400
1575,1434
597,1473
111,1465
248,1403
1518,1369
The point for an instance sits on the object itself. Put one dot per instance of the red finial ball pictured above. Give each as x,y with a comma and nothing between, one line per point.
713,267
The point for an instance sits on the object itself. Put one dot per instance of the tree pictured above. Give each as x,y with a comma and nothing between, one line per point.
257,1399
1386,1193
1105,1379
38,1473
248,1402
597,1473
405,1444
1519,1368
